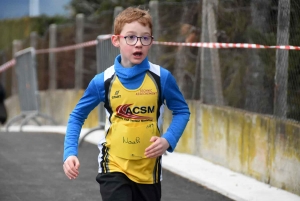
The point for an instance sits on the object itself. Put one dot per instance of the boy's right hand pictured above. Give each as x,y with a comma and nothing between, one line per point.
71,166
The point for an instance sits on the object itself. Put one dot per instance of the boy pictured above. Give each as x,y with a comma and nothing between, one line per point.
133,91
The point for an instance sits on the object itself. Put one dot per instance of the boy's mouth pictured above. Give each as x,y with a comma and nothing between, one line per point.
137,54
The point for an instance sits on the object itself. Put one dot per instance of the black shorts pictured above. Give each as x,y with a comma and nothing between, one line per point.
116,186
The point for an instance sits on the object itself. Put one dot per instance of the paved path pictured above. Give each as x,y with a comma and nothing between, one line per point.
31,170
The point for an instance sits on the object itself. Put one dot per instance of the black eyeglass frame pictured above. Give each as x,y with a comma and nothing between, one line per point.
137,39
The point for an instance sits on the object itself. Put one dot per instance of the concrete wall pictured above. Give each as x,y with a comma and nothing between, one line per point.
261,147
58,104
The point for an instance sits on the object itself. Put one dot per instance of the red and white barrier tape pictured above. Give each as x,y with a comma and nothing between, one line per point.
7,65
58,49
204,45
73,47
67,48
229,45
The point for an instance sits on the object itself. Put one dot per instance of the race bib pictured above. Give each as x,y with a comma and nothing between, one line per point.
131,142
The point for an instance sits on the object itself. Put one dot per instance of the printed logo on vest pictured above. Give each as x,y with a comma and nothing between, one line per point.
125,111
146,92
116,95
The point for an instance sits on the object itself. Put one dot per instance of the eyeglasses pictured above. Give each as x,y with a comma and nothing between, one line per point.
132,40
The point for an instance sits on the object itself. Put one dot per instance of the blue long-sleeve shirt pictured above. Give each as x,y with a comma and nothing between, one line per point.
131,78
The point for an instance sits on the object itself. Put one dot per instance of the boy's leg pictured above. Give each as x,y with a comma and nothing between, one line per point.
114,186
147,192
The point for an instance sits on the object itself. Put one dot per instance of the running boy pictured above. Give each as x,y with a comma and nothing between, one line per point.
134,92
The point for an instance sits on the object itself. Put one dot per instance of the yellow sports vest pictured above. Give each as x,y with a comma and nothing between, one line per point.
133,122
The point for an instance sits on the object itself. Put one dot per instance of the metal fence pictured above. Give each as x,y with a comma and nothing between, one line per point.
261,78
106,54
25,70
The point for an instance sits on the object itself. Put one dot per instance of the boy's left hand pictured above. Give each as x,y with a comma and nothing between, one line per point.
157,148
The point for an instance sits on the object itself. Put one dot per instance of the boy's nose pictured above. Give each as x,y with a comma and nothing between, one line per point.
139,42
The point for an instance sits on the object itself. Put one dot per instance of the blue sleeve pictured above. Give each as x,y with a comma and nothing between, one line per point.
177,104
93,95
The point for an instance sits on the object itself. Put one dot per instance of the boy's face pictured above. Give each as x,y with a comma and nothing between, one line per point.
132,54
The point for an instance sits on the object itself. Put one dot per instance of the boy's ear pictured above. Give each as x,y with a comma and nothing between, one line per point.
115,41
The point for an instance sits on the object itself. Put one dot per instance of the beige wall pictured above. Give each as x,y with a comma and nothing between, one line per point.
262,147
57,104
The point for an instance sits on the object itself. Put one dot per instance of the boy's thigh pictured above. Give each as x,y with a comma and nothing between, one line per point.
116,186
147,192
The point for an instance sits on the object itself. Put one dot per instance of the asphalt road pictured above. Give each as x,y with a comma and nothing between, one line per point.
31,170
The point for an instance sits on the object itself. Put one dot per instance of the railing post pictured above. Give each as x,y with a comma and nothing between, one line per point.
155,49
17,46
33,39
52,58
117,10
3,74
79,51
282,60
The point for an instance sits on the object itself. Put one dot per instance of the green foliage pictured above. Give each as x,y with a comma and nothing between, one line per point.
14,29
95,7
20,29
43,22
